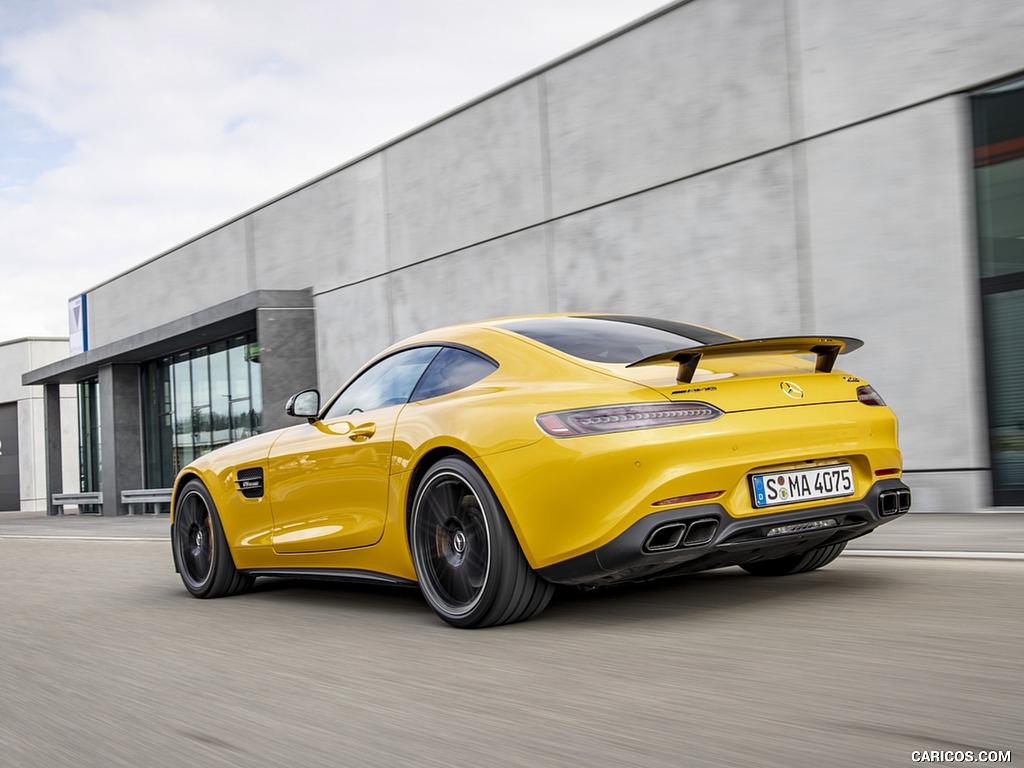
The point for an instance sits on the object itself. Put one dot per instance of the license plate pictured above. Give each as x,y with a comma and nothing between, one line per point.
802,485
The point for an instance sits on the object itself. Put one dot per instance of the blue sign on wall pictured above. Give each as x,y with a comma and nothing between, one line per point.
78,325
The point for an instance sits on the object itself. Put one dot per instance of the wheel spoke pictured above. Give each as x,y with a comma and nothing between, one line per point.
439,504
462,588
446,578
451,542
194,535
476,552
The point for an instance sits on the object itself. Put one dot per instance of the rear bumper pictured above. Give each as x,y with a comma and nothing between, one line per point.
706,536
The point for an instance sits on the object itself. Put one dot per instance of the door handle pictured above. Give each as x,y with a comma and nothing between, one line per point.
362,432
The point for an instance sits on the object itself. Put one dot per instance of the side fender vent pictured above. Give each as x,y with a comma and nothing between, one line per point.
250,482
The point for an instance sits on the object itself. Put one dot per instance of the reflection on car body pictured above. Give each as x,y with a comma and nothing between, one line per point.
488,462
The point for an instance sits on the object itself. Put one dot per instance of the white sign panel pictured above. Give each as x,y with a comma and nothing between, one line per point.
78,325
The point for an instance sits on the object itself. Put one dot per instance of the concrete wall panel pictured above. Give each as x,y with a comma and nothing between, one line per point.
717,249
477,175
70,471
287,359
892,246
325,235
701,86
862,58
495,279
32,454
352,325
21,355
198,275
15,358
965,491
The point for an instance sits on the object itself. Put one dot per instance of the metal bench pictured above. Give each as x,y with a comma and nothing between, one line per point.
81,499
145,497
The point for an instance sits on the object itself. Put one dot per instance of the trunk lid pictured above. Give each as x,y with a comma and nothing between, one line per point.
746,383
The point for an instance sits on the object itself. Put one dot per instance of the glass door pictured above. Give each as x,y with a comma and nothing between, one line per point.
999,178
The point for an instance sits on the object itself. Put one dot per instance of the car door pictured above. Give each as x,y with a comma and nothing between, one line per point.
328,480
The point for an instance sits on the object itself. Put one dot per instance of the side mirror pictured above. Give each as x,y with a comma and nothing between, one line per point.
304,405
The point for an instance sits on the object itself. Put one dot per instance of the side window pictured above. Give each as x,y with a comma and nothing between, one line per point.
452,370
388,382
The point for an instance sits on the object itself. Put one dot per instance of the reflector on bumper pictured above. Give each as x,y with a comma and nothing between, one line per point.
813,525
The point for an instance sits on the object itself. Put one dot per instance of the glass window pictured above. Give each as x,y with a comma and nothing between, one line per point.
158,415
452,370
999,180
183,442
90,462
199,400
220,396
201,424
240,401
387,382
613,339
1004,315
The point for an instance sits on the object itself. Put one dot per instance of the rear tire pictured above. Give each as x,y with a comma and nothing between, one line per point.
787,566
469,564
201,553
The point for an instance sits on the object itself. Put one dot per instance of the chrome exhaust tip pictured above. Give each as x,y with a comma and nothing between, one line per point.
893,502
700,532
904,499
665,537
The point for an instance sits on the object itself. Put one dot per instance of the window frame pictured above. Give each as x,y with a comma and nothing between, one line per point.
326,408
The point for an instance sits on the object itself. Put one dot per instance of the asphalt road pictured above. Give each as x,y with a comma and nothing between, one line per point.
106,661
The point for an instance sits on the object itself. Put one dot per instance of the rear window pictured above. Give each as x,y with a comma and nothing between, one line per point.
453,369
613,338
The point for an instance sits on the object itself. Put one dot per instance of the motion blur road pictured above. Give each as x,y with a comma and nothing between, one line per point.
106,661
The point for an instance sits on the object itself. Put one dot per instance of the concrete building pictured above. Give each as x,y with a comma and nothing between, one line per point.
23,426
765,167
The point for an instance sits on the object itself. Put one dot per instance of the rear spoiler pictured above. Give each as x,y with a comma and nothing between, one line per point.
826,348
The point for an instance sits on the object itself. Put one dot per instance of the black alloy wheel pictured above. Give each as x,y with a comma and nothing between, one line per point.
470,567
201,553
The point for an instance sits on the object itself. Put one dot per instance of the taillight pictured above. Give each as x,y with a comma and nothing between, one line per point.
868,396
621,418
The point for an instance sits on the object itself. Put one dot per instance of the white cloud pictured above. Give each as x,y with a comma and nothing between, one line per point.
132,126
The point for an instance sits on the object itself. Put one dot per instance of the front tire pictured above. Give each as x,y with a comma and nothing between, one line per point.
201,553
469,564
787,566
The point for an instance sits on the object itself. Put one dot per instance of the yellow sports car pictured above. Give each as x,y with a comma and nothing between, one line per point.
490,461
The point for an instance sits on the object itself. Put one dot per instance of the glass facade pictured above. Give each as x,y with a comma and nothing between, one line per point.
999,178
89,454
198,400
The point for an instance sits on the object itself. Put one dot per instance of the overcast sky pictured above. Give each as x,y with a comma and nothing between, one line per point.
129,126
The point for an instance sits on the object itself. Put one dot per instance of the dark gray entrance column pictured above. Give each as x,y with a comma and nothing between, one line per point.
10,474
53,448
120,433
287,339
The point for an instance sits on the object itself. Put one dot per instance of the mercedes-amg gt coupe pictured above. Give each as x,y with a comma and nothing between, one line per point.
488,462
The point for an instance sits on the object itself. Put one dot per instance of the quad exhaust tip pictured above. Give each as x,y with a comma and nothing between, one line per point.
894,502
676,534
665,537
700,532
